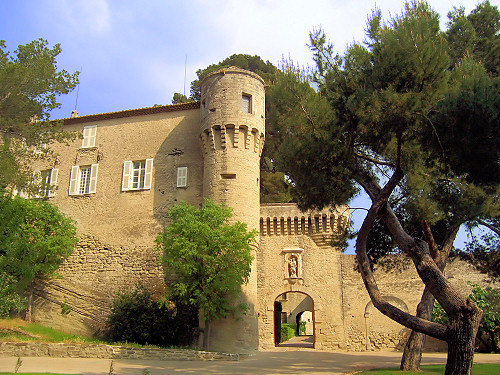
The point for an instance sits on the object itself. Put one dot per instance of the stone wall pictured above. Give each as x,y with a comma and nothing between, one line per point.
61,350
90,279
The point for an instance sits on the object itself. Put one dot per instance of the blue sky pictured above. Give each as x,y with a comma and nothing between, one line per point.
134,54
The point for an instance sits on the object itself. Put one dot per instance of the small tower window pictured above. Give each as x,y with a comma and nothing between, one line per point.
246,103
182,176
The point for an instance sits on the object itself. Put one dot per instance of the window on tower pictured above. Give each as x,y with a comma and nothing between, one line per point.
246,103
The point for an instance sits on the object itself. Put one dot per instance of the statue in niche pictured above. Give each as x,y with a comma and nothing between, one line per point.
293,266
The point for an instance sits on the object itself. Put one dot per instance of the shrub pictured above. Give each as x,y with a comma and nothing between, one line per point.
287,331
302,328
136,317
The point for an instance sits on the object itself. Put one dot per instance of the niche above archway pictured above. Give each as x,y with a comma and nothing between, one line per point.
292,265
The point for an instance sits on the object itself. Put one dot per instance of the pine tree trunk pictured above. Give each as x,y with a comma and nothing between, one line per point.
462,335
206,335
412,354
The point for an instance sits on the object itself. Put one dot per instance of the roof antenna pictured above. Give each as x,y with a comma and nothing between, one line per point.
185,64
74,113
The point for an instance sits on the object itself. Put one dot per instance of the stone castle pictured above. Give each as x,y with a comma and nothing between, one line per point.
119,180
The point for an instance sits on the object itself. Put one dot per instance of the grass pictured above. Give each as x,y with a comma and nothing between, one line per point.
477,369
31,373
45,334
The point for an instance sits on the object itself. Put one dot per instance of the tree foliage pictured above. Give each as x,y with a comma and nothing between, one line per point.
206,259
487,299
29,85
35,237
476,34
387,119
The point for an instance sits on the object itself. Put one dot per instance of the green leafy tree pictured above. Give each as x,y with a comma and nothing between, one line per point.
488,299
206,260
29,85
34,239
371,126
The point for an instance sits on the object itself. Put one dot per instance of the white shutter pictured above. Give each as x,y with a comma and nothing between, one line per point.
149,174
93,178
74,180
89,134
36,180
127,175
53,182
182,177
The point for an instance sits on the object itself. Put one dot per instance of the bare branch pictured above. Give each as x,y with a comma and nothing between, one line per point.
373,160
489,226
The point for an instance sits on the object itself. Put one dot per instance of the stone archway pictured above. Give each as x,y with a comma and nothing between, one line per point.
293,304
382,332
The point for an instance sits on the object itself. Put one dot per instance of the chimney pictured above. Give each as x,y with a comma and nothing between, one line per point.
74,113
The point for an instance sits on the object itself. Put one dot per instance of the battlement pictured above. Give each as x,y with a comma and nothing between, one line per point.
287,219
219,138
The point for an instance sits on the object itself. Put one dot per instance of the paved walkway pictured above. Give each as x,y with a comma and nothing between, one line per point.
286,360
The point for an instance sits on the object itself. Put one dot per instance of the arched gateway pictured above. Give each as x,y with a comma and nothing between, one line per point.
294,308
296,260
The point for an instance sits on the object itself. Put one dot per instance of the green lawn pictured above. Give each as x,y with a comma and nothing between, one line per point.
477,369
45,334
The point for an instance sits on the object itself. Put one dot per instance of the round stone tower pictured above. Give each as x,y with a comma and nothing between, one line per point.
232,134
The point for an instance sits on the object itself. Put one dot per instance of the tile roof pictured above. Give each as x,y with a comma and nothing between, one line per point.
132,112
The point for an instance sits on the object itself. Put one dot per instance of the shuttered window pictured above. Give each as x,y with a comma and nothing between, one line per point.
182,176
137,175
83,179
89,135
46,181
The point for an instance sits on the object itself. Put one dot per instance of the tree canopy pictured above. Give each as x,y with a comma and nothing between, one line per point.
30,82
34,239
396,118
206,259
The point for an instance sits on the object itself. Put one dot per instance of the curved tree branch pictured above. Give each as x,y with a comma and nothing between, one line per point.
421,325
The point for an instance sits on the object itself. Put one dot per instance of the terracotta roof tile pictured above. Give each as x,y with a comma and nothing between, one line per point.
132,112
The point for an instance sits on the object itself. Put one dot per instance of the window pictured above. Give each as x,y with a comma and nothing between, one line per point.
44,183
89,133
48,182
246,103
83,179
84,185
137,175
182,173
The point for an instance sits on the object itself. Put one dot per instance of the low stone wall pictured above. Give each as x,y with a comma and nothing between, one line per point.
61,350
